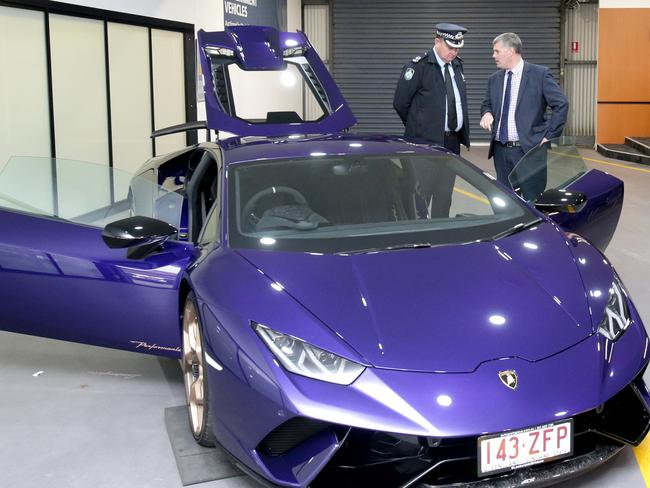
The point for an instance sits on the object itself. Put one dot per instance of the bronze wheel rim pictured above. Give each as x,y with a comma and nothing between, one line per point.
193,367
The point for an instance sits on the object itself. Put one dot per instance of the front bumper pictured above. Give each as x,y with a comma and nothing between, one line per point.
380,459
296,432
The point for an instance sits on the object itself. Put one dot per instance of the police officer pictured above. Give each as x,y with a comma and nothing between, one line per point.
431,100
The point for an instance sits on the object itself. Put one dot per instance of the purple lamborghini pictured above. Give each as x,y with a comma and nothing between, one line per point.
335,328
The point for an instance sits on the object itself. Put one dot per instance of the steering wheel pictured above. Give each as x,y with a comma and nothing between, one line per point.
249,218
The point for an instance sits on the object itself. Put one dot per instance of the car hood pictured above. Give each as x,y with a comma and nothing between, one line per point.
443,309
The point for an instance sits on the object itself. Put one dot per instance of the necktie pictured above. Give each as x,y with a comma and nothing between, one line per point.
452,117
503,121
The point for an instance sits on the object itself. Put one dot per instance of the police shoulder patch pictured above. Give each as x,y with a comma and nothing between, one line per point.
408,74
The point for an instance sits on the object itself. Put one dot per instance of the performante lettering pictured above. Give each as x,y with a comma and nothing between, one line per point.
146,345
236,9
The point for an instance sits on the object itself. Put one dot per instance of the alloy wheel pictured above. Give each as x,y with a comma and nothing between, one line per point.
193,367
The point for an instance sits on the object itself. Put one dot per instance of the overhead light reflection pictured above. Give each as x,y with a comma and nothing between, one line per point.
290,43
355,144
530,245
267,241
499,202
277,286
317,154
497,319
444,400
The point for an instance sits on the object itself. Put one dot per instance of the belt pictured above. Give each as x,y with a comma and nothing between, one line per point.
509,143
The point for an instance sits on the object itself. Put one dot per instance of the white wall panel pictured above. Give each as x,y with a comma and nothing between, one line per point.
624,3
24,113
79,88
168,87
128,56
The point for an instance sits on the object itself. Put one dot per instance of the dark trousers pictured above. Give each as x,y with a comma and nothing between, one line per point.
530,178
436,183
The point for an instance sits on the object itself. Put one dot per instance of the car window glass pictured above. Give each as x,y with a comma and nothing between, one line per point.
554,164
290,86
84,193
336,204
210,231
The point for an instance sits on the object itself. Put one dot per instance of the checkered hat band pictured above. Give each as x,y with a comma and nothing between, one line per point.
451,37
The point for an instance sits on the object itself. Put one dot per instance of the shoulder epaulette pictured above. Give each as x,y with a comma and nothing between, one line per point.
417,59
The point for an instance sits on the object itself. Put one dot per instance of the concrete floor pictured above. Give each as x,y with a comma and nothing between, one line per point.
94,417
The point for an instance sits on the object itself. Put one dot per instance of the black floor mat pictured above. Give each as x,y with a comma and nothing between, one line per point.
196,464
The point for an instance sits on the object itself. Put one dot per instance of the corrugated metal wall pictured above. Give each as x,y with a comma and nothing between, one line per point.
373,39
316,24
580,68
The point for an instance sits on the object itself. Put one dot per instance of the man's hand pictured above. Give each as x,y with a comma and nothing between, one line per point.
486,121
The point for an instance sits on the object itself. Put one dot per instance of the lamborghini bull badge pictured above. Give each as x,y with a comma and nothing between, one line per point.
509,378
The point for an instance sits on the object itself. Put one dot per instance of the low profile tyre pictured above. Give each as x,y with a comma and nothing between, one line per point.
195,374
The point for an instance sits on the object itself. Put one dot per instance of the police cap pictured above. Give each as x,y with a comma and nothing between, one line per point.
452,34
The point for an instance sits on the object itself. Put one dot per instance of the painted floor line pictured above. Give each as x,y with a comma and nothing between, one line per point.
471,195
642,454
643,170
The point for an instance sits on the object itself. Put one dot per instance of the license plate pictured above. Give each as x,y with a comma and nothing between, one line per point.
503,452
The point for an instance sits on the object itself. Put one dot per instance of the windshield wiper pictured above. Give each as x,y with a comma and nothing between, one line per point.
397,247
517,228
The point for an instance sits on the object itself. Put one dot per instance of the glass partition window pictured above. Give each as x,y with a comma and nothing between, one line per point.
84,193
351,204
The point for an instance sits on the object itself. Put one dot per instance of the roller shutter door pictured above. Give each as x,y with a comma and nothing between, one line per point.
372,40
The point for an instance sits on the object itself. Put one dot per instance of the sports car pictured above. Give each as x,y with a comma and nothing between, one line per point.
333,329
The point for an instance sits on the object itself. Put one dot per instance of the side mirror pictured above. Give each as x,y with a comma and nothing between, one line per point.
554,200
143,235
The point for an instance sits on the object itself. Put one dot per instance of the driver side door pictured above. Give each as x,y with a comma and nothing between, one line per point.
59,278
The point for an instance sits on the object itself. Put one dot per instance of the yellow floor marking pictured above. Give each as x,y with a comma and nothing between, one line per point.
643,170
642,454
471,195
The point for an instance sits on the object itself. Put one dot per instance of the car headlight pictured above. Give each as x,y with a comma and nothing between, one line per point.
617,314
304,359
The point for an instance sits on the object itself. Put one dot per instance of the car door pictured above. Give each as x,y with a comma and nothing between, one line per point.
238,65
558,164
58,277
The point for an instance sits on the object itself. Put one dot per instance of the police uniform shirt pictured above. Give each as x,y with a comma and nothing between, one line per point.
459,106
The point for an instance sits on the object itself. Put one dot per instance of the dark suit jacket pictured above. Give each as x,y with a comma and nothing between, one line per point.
420,100
537,91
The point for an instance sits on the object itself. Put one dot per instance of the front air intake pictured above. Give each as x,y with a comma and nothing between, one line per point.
289,435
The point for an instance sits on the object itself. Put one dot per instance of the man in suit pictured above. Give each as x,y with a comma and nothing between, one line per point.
431,100
514,109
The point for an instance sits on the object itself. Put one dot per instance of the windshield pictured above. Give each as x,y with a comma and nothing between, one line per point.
364,204
84,193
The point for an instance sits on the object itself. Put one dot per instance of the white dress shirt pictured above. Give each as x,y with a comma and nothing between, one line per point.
459,106
517,71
